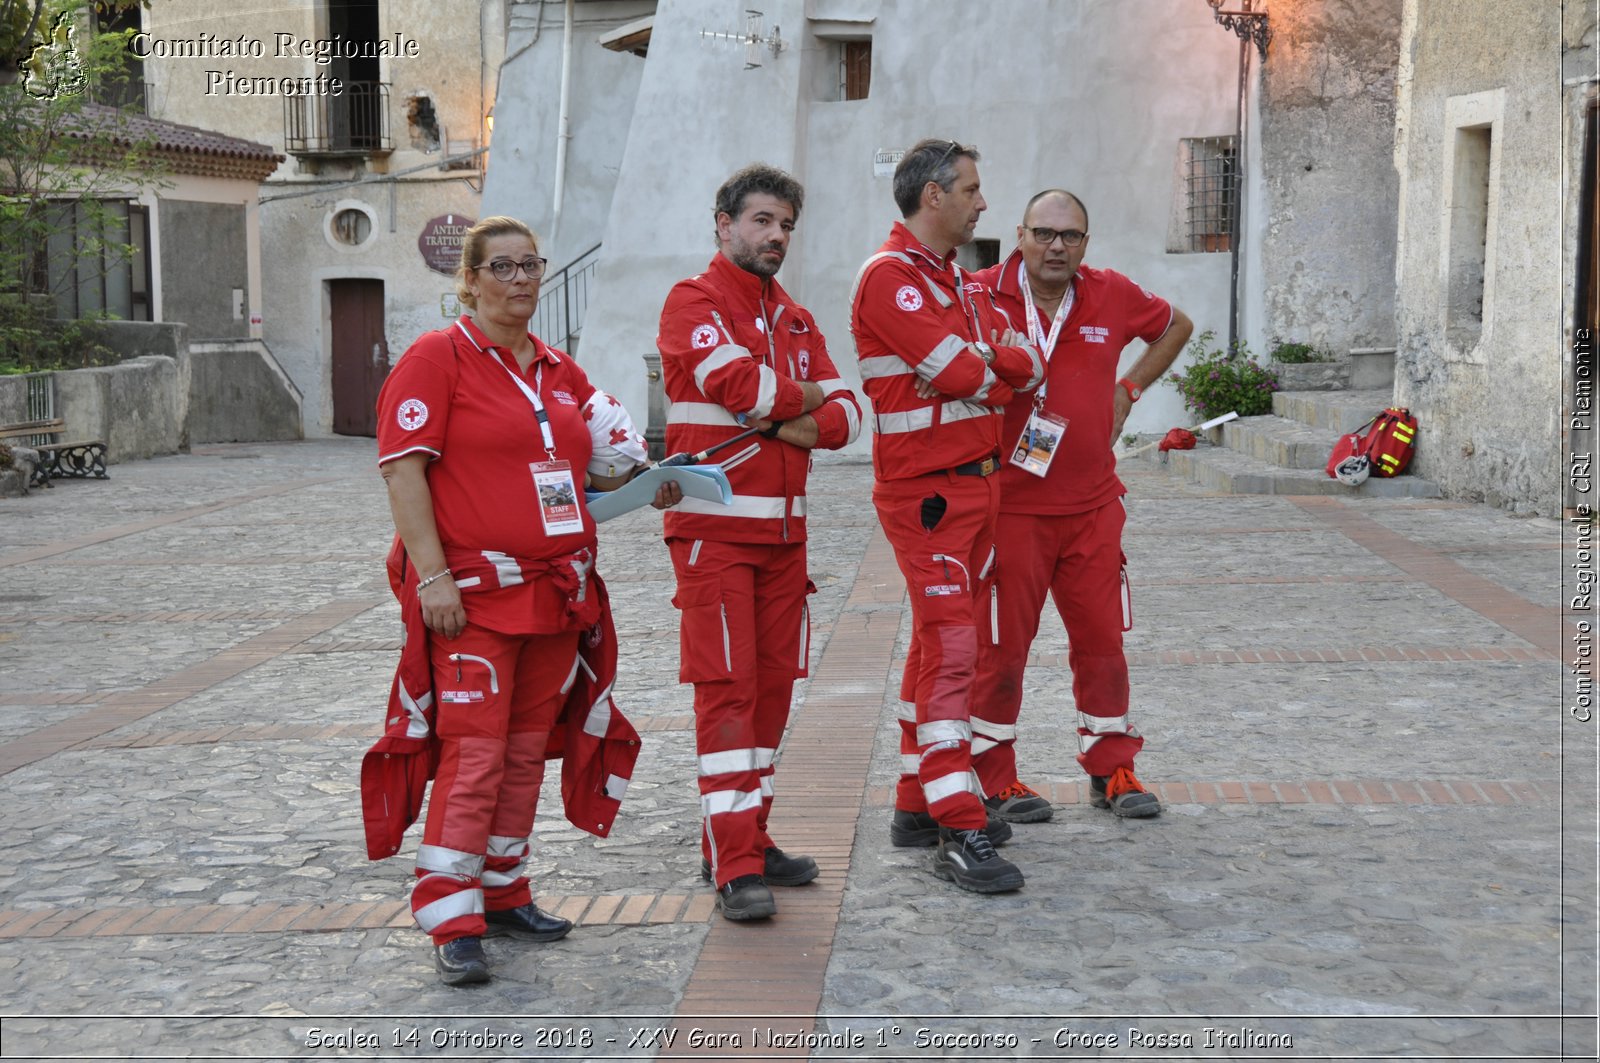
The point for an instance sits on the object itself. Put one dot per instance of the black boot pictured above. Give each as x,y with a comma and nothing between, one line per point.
461,962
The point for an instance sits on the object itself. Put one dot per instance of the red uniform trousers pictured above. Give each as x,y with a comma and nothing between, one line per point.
498,696
744,638
1078,559
942,529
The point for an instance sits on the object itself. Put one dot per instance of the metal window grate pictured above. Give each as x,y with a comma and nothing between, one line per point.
1210,176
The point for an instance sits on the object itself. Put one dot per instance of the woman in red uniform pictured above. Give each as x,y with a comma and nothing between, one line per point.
484,437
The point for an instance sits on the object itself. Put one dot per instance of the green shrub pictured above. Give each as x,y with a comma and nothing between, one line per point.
1217,381
31,341
1296,353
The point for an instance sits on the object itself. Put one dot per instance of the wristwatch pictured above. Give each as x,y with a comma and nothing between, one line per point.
985,352
1133,390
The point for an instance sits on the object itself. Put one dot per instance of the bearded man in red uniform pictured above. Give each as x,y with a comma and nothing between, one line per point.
939,361
738,352
1061,511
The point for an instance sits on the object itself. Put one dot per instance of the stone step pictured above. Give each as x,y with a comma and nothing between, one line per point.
1230,472
1311,376
1336,411
1371,367
1280,441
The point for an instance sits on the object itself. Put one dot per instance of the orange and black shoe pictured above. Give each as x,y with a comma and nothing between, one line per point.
1124,794
1020,803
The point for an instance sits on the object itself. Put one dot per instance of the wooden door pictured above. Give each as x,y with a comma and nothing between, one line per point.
360,354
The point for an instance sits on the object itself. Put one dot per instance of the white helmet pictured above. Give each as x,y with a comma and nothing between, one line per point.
1353,471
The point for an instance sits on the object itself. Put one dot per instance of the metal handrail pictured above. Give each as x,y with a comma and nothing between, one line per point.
356,122
564,299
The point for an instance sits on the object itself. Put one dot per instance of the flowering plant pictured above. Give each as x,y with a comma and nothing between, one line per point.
1217,381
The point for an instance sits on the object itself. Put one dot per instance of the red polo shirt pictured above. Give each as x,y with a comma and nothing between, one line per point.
452,396
1108,312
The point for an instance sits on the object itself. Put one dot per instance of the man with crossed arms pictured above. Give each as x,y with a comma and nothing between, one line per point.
1061,511
939,361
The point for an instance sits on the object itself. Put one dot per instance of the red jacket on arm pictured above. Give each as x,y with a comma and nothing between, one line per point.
1109,311
913,316
734,344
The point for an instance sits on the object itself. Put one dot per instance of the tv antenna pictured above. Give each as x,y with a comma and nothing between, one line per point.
754,40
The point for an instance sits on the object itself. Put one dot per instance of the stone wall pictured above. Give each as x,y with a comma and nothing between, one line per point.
1481,250
1327,139
137,408
237,392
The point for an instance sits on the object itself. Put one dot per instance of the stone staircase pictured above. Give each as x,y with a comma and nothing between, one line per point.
1286,452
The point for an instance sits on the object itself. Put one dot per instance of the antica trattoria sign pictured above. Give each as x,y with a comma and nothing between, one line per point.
440,242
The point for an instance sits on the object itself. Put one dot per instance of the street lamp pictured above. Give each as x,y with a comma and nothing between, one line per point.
1248,25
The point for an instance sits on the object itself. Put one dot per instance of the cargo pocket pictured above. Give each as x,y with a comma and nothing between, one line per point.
704,651
803,666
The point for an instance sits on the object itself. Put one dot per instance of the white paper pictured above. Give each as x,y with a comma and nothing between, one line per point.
707,482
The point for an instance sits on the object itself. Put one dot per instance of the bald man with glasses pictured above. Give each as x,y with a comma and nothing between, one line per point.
1061,511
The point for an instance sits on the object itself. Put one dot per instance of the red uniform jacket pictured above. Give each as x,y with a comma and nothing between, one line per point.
733,344
913,315
596,743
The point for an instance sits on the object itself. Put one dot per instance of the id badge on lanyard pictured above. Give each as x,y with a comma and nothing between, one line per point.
553,484
1041,438
1037,445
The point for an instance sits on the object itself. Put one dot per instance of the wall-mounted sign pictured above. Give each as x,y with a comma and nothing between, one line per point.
450,305
884,160
440,242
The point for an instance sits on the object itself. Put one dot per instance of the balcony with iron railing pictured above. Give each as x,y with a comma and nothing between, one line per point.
354,123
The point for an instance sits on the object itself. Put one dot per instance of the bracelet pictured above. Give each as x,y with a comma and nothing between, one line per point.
772,433
437,575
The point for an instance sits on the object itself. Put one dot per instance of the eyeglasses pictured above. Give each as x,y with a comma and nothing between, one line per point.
1069,237
504,268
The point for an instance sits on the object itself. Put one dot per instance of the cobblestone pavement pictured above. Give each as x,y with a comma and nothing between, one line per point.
1379,842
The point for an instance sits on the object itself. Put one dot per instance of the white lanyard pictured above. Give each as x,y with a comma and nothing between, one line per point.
1046,344
967,304
532,395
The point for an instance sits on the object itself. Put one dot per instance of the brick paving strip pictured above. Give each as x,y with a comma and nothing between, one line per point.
739,951
1537,624
774,969
121,708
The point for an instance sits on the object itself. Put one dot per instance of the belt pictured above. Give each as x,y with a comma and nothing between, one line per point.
985,467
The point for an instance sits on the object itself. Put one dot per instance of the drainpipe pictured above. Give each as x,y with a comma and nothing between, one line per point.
564,123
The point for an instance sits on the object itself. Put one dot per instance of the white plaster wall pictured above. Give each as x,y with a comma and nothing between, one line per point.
603,88
1087,94
1489,411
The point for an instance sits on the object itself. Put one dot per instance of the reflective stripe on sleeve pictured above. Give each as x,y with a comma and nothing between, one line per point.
938,360
766,394
884,365
704,413
726,354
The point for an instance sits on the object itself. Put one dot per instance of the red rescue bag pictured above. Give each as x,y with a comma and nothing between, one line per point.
1382,447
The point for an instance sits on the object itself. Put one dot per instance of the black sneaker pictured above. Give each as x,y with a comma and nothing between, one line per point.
461,962
1020,803
920,830
967,858
746,897
529,921
779,868
1123,794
